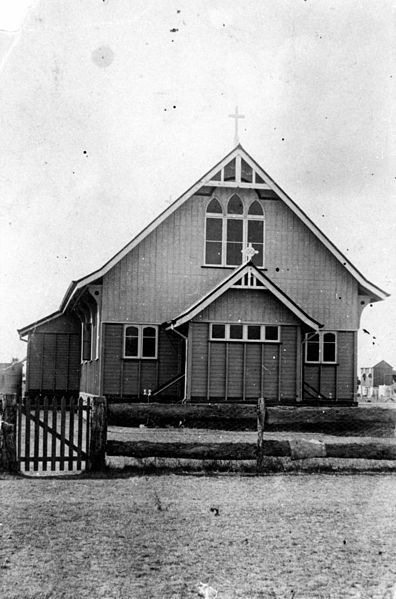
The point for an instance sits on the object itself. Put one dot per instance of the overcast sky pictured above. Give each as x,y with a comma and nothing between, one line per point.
112,108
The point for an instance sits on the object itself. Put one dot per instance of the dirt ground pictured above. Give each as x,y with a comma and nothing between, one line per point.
157,537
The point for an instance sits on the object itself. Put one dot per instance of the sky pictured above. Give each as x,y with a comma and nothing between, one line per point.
111,109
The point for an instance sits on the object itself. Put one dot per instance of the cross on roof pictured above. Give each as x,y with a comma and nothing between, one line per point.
248,252
236,116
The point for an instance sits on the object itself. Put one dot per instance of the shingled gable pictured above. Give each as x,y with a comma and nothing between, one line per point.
232,281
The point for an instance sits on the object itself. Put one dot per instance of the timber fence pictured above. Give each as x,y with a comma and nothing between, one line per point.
372,428
52,434
56,434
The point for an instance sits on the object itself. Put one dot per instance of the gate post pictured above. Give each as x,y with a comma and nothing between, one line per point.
261,413
8,453
98,438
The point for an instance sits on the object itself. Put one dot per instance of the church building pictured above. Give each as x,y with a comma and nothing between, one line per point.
231,294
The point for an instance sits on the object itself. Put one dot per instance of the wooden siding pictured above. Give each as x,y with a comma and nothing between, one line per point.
246,305
335,381
53,363
242,371
288,352
164,274
347,375
199,333
53,357
89,381
126,378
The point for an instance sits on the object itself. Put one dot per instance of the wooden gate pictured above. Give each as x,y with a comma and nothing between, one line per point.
53,434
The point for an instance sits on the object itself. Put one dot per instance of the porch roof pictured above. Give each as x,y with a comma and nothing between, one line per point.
229,282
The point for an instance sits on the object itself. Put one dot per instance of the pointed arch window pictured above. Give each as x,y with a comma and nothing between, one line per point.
214,233
230,229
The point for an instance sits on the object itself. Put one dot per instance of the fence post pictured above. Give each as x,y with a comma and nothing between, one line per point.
97,445
260,433
8,453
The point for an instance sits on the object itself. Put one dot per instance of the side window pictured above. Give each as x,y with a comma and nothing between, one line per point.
149,342
312,348
131,342
329,347
140,341
86,341
321,348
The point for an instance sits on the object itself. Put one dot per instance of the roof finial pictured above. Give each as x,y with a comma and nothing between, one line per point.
236,116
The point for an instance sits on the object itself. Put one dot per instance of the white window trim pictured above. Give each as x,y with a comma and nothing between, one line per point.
244,333
140,328
245,217
320,360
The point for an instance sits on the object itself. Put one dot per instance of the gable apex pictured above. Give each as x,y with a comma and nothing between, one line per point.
241,156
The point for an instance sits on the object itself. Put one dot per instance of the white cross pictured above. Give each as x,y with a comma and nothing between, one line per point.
248,252
236,116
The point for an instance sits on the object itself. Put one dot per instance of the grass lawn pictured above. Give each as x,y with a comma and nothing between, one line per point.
157,537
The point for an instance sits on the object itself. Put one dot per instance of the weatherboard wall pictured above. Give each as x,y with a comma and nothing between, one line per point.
53,357
243,371
129,378
334,381
165,273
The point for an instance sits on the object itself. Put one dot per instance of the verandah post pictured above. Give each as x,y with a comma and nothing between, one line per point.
8,452
97,445
260,433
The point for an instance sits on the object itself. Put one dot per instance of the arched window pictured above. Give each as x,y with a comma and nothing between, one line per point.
329,347
229,232
214,233
140,341
131,342
321,347
255,231
234,230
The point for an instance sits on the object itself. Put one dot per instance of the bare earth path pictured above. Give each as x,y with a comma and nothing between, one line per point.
158,537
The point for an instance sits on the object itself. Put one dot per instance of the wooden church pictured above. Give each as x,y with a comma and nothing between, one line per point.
230,294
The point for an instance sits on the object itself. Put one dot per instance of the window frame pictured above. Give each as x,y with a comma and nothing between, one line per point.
86,340
244,338
140,328
245,217
321,348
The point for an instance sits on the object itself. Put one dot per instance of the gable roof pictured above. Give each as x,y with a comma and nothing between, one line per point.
209,179
24,330
232,280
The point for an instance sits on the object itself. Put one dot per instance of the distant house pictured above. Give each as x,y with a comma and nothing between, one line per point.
377,380
230,294
11,377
